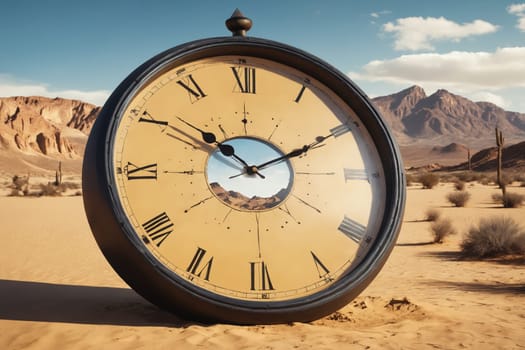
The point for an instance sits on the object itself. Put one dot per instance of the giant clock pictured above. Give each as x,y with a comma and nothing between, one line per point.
242,180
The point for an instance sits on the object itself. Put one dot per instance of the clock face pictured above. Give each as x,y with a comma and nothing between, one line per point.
245,178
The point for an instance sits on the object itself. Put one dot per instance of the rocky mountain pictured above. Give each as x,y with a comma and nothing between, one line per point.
444,118
44,126
512,156
57,129
241,201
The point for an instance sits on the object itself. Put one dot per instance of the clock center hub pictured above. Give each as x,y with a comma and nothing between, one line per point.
256,176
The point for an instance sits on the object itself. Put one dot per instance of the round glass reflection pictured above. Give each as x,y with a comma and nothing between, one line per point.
254,178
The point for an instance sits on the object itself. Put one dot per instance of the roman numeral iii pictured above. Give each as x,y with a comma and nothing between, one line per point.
355,174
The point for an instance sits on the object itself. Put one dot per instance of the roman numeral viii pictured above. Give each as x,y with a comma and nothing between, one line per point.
146,172
158,228
196,268
245,79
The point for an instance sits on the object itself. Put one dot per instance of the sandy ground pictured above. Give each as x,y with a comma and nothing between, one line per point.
58,292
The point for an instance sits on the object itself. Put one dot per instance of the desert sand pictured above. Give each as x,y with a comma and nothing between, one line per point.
58,292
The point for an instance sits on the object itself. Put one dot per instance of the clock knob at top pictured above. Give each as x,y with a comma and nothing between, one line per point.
238,24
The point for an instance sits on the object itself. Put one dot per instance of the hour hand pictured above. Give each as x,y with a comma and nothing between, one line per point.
207,137
210,138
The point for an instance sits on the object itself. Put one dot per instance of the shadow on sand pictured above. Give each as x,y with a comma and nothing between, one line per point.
499,288
37,301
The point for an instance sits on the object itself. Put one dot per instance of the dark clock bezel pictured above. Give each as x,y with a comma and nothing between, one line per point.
133,262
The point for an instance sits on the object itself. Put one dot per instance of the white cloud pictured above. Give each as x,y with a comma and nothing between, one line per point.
486,96
418,33
380,13
12,87
518,10
468,71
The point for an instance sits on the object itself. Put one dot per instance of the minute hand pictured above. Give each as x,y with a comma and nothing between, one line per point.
296,152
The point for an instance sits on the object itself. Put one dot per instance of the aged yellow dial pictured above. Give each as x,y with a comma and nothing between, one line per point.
247,177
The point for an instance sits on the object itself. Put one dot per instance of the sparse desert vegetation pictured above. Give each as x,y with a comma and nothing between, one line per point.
458,198
37,186
441,229
432,214
493,237
428,180
509,199
459,185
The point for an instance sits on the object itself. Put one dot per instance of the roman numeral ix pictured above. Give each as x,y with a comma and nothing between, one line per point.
135,172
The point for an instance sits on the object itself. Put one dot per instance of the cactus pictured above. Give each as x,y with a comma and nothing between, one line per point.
499,142
468,160
58,174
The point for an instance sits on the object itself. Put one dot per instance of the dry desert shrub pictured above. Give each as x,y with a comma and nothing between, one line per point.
459,198
410,179
432,214
441,229
459,185
469,176
493,237
429,180
19,185
509,200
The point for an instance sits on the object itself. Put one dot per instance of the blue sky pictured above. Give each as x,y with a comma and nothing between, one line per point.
83,49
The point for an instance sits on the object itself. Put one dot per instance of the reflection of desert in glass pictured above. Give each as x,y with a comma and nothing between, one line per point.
231,184
240,201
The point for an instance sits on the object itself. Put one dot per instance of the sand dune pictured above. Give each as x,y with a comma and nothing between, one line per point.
58,292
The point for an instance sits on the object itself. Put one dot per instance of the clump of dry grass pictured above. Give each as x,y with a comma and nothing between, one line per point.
509,200
493,237
19,185
459,198
428,180
441,229
432,214
52,189
410,179
459,185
